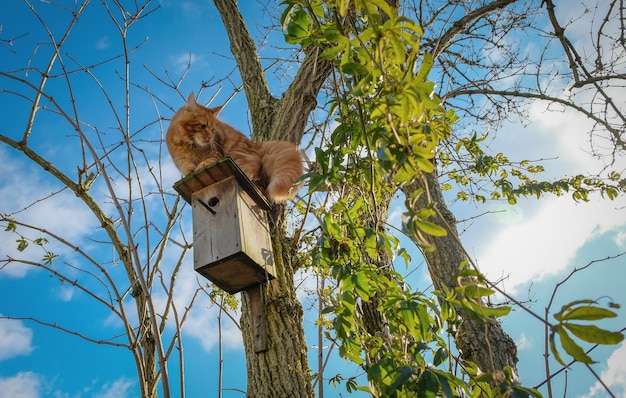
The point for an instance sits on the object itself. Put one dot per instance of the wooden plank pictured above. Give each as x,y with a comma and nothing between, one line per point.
218,235
215,172
232,245
235,273
259,321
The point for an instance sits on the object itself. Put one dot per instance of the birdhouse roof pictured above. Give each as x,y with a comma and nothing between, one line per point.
216,172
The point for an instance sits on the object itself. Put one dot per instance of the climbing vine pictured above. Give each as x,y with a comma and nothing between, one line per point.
390,127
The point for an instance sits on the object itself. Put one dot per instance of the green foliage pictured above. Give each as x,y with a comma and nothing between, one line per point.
512,180
23,242
389,131
225,301
11,227
498,384
581,310
389,126
470,294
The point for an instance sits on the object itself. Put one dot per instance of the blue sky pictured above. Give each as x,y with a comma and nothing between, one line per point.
534,244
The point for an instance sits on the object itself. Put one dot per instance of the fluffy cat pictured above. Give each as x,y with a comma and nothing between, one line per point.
196,138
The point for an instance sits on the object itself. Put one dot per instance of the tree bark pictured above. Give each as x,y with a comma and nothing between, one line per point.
283,369
241,45
485,344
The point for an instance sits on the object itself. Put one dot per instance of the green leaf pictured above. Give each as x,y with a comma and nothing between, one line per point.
475,291
446,391
441,356
40,241
22,244
481,312
331,227
332,52
594,334
298,27
573,349
401,376
428,385
285,17
484,378
426,212
425,67
588,313
425,164
11,227
523,392
567,307
362,285
431,228
49,258
371,244
408,315
496,312
553,349
384,7
611,192
353,68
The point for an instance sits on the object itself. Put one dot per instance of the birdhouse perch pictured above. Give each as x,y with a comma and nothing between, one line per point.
232,245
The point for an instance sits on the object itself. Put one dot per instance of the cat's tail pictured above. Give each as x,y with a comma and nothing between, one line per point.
283,165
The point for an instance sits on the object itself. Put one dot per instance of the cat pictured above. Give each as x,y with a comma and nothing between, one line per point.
196,138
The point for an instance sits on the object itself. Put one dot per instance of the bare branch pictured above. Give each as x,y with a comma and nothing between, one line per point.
109,341
443,42
260,101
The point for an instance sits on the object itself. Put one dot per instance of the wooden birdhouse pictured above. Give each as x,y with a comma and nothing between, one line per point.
232,245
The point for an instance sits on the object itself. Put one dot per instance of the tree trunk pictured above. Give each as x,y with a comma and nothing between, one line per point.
485,344
282,369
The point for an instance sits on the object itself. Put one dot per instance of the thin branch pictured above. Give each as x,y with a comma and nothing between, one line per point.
244,50
442,43
544,97
68,331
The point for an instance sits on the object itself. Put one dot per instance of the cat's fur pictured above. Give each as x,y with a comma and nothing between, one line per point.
196,138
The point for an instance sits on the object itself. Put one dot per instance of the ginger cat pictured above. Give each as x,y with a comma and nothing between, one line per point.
196,138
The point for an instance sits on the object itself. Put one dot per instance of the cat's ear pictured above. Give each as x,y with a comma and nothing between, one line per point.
216,110
191,102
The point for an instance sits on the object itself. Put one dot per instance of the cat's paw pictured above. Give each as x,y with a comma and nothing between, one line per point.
188,168
206,162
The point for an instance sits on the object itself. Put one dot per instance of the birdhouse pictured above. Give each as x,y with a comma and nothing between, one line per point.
232,245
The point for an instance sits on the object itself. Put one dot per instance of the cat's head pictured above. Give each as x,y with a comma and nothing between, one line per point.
199,122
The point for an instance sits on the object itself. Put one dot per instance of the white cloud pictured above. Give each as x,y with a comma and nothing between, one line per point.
15,339
22,385
306,282
620,239
120,388
524,343
58,213
190,7
614,376
65,293
537,238
184,60
543,244
202,323
103,43
203,326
